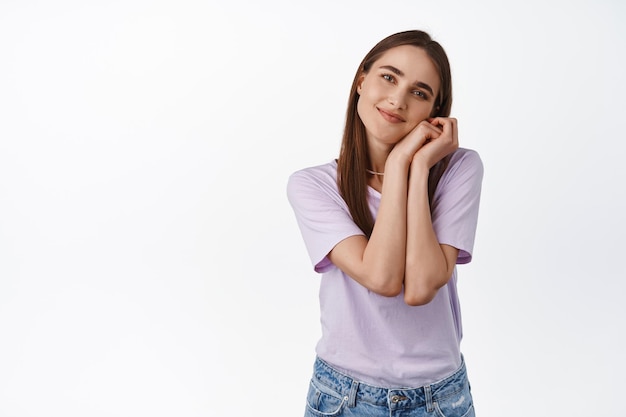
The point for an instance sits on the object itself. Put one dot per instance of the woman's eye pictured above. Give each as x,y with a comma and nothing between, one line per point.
419,94
388,77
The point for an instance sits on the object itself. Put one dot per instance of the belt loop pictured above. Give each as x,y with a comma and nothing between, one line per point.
353,390
429,399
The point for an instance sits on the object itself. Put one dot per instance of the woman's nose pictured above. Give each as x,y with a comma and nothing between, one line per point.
396,100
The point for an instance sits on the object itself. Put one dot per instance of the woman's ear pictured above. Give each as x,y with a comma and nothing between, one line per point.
359,83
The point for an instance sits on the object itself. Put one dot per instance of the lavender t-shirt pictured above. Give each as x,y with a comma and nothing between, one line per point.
382,340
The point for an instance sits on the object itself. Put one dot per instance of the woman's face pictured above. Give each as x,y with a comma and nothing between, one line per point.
397,94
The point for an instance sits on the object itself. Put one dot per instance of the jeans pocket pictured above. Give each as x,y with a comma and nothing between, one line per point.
459,404
323,401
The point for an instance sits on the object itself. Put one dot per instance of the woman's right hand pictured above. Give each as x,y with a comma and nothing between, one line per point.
437,148
408,146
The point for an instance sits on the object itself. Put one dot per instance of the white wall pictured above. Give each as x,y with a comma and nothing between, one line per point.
150,264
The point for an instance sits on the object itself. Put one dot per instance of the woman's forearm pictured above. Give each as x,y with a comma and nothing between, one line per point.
428,267
378,262
384,255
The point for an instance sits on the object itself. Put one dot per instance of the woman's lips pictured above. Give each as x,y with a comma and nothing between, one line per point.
390,117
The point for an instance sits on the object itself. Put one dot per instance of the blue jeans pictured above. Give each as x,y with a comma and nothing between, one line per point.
332,393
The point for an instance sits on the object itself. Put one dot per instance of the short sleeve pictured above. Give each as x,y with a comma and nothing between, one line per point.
456,202
322,215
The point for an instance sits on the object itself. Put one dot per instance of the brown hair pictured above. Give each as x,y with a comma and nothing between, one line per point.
353,157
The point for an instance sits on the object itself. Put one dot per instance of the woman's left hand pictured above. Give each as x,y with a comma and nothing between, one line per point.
436,149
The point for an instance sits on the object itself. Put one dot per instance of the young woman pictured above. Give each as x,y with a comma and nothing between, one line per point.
386,224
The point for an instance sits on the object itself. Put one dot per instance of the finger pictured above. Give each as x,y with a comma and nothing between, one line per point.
443,121
436,121
448,126
427,124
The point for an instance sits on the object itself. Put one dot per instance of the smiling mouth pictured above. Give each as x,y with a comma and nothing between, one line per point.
390,117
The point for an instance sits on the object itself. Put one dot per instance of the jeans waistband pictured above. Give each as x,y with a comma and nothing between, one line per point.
360,391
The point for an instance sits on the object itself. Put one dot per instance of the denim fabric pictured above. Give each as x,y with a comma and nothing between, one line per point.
332,393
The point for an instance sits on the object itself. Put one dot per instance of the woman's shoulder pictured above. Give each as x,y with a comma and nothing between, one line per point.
465,164
318,180
466,159
319,173
467,155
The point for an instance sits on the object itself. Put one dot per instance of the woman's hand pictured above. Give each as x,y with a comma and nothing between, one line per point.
435,148
406,149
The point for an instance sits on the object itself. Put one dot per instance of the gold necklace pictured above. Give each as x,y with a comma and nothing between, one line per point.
369,171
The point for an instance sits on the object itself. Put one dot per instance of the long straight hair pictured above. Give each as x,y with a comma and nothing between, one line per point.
353,157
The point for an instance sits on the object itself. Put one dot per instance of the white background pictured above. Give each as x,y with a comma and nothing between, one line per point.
150,264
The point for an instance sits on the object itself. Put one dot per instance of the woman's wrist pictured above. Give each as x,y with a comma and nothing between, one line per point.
419,166
396,165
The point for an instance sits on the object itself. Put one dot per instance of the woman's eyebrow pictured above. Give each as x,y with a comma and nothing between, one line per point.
401,74
393,69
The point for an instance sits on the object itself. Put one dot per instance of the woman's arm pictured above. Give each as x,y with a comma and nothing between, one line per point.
429,265
378,263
